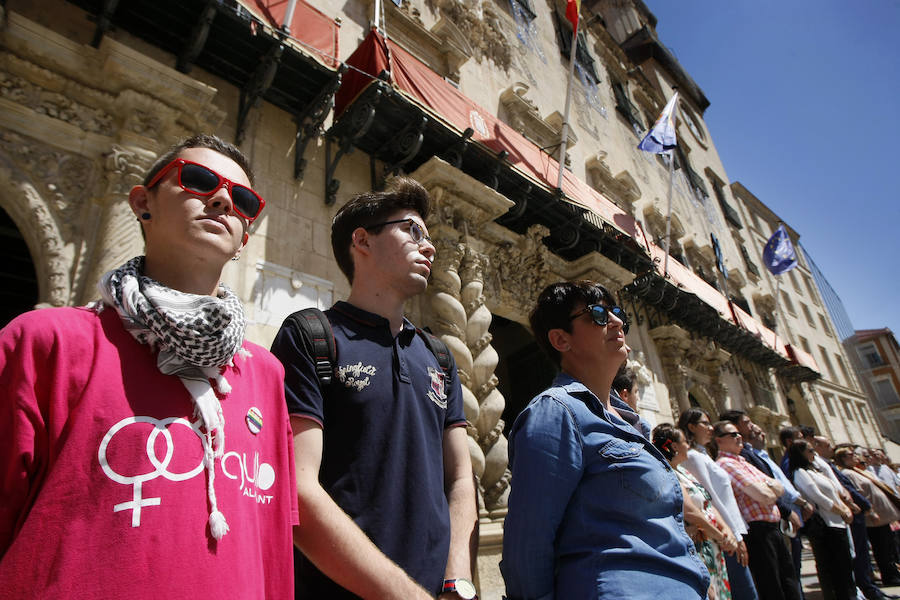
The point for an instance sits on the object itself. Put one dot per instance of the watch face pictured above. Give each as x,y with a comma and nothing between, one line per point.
465,589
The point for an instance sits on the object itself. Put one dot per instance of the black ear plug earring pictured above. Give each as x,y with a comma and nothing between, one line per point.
145,216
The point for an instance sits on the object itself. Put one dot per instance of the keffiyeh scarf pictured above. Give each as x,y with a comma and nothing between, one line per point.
195,337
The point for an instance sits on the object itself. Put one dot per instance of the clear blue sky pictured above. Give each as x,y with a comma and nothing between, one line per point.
805,112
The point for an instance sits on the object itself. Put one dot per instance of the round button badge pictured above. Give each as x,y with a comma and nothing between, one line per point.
254,420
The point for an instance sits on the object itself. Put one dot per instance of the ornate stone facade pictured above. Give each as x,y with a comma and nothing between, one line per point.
79,126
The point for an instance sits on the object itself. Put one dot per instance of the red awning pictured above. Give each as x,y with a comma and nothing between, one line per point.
760,331
802,358
317,33
447,104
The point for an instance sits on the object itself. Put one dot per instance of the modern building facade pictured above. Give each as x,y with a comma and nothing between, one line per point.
466,97
875,355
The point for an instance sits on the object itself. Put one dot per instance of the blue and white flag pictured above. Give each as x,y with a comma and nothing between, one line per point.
779,255
661,137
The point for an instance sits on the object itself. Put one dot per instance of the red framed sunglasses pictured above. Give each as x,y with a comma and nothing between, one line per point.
203,181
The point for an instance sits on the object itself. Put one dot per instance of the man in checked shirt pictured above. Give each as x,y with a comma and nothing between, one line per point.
756,495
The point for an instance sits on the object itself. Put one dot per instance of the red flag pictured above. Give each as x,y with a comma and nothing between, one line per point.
572,8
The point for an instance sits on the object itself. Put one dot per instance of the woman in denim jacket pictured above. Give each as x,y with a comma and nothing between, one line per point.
595,511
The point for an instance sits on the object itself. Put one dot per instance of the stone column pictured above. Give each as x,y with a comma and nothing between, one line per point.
672,343
488,425
116,234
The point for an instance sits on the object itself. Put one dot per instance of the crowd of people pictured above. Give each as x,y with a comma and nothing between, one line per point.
150,451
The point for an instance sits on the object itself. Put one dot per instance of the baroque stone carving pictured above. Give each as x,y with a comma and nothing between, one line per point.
521,269
524,117
116,234
484,28
52,258
64,179
124,169
55,105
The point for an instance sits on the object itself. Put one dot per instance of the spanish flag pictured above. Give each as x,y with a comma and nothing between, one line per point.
572,8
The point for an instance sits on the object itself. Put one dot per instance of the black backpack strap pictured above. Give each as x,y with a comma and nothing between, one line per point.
440,350
318,340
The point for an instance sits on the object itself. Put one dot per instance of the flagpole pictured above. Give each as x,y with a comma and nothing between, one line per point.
775,316
565,127
669,211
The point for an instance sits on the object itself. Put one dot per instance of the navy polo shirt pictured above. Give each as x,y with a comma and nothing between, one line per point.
383,419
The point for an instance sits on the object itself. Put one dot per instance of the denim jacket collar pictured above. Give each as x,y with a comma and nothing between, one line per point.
577,389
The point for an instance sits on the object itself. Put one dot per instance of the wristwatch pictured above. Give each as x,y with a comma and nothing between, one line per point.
463,588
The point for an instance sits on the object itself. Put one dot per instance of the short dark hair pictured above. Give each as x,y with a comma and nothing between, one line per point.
719,428
807,431
733,416
787,435
624,379
554,307
202,140
364,210
664,436
691,416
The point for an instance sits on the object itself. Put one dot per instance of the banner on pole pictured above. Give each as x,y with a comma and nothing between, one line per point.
661,137
779,255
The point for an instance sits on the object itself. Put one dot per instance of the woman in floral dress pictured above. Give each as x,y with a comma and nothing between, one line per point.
707,528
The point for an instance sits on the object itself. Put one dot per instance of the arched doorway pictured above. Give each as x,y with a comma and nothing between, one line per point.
524,369
18,280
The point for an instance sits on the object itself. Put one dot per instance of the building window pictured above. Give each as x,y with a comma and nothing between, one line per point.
809,288
794,283
805,344
825,326
827,362
626,108
885,392
808,315
731,215
870,356
786,300
847,409
755,220
829,406
526,8
843,366
862,412
694,179
750,265
583,58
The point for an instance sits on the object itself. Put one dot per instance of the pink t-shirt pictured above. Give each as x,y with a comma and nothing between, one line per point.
103,493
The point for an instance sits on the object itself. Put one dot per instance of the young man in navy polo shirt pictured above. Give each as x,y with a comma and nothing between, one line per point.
385,487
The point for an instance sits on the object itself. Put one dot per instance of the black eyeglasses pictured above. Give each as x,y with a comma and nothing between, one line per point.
203,181
733,434
416,232
600,315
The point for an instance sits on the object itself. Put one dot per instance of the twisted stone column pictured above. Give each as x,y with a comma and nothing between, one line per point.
489,426
449,322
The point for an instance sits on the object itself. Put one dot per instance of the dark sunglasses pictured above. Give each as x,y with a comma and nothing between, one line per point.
600,315
415,230
203,181
733,434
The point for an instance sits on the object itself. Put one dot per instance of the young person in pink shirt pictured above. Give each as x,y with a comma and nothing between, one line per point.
146,450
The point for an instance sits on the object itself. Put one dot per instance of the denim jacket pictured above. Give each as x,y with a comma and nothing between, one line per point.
595,511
